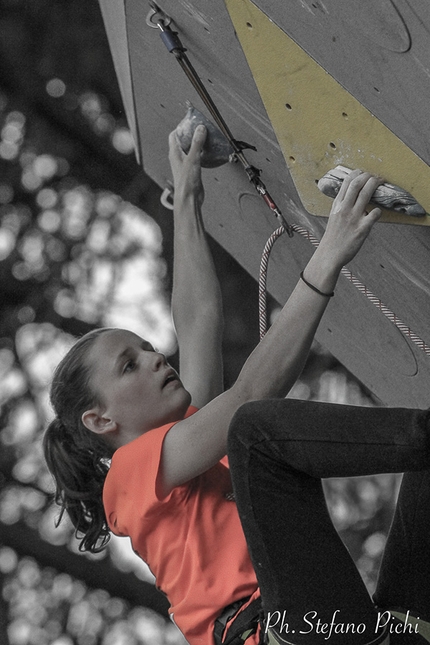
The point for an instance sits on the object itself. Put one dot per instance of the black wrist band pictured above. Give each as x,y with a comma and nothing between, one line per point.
311,286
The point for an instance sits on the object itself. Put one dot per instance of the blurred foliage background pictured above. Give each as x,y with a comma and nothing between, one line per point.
85,242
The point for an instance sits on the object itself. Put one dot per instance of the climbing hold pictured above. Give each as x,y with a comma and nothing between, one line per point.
216,150
386,195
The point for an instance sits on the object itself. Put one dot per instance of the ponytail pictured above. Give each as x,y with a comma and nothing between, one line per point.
77,458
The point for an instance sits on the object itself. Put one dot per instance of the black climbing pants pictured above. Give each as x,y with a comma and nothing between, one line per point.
279,450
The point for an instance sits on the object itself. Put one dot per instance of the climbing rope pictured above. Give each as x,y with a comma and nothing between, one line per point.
262,289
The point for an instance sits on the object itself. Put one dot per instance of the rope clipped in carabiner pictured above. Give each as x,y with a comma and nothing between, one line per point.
170,38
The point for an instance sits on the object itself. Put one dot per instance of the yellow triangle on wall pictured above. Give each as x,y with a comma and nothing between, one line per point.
318,123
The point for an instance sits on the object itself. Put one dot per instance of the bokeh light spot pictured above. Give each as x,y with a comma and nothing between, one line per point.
56,88
122,140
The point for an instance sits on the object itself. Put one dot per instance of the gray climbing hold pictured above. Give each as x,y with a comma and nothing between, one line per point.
386,195
216,150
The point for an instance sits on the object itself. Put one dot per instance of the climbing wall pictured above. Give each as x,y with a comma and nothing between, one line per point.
311,85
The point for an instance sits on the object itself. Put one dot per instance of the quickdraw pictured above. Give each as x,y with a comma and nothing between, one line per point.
158,19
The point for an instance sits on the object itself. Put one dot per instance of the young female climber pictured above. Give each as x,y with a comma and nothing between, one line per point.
139,452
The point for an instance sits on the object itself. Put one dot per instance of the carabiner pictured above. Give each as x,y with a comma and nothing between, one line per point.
158,14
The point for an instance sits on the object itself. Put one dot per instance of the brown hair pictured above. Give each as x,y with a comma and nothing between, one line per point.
77,458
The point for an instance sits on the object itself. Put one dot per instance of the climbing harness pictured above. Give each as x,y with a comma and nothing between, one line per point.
244,625
159,20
